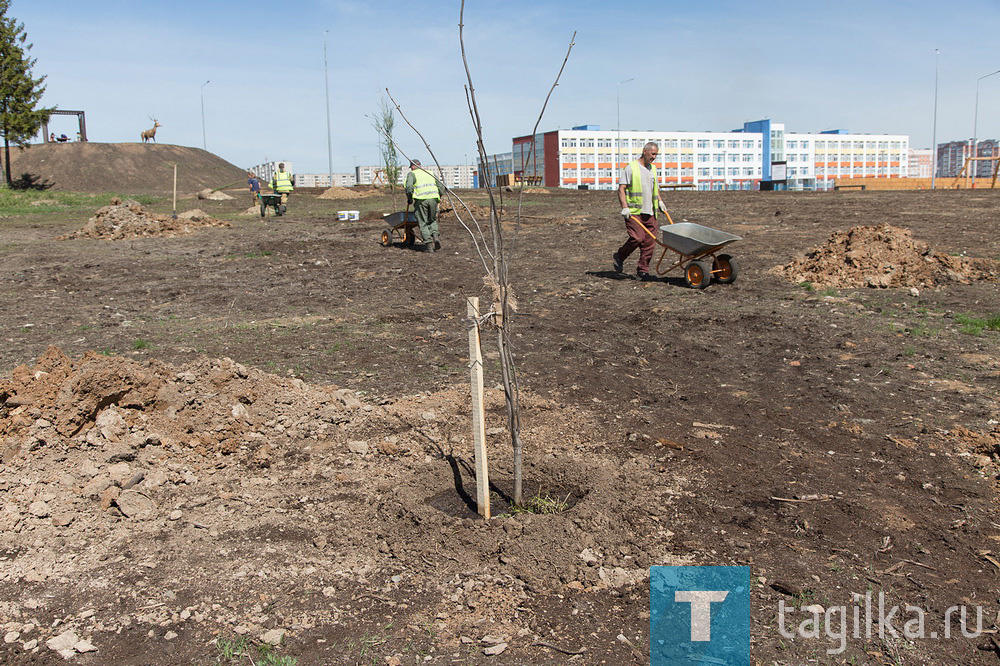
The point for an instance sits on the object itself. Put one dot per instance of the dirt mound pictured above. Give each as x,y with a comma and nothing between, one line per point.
213,195
883,256
210,406
167,465
481,213
128,219
347,193
127,168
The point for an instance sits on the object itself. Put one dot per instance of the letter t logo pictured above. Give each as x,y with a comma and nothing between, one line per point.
701,610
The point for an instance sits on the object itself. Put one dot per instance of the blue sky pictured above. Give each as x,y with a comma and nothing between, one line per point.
861,65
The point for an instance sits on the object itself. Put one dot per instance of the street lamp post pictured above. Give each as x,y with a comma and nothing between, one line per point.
204,142
618,126
975,127
329,143
934,149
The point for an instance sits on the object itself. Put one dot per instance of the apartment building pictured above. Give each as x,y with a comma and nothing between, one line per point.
921,162
323,180
454,176
762,154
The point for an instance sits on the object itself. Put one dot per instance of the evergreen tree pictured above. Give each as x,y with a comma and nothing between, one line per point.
20,92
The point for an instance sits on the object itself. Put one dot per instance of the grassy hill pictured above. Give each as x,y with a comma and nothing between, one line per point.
130,168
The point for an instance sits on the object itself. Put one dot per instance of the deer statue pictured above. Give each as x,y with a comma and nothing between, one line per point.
150,134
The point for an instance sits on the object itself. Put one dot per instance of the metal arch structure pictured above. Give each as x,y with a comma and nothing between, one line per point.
79,116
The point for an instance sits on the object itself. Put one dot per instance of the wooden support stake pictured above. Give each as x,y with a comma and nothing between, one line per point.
175,192
478,423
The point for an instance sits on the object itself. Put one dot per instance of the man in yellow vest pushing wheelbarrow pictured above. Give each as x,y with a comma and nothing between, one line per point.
639,195
424,191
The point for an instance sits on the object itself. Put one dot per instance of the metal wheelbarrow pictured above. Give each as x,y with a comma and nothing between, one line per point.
695,245
401,228
271,201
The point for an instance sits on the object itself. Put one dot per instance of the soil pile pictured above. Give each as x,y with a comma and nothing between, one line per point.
128,219
215,195
130,168
175,467
347,193
467,213
884,256
114,403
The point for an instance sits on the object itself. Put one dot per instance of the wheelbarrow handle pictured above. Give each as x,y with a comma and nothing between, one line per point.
669,219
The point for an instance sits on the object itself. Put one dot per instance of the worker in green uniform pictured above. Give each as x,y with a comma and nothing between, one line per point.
424,191
281,182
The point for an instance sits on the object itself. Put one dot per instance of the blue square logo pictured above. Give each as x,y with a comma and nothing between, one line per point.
700,615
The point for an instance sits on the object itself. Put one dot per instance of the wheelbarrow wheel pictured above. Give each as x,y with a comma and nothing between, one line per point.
698,274
282,209
409,238
725,269
386,238
263,210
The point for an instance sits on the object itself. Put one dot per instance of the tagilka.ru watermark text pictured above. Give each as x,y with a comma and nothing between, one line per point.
868,617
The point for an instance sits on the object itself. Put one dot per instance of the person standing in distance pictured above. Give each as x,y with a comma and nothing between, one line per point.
639,196
424,191
254,186
281,183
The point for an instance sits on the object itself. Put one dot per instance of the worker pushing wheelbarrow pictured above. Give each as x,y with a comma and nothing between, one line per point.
697,246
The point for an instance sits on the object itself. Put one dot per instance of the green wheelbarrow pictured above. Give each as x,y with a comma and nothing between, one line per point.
271,201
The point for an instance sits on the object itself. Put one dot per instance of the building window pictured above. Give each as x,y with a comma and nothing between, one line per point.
687,143
703,143
702,157
719,143
671,143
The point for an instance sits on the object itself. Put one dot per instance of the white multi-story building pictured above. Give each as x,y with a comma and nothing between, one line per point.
453,176
761,155
921,162
323,180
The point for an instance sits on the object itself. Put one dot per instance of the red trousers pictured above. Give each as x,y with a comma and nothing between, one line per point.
636,226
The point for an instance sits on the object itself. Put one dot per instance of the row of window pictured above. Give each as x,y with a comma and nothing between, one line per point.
858,157
665,144
734,144
666,174
855,145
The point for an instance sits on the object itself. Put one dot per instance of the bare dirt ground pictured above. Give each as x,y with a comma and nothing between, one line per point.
263,431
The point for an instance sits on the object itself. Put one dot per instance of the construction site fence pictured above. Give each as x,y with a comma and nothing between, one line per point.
911,183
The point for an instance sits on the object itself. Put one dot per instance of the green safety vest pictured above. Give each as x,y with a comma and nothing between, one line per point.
283,182
633,194
425,186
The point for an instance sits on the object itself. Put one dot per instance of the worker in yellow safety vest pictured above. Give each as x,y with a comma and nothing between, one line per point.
639,196
281,182
424,191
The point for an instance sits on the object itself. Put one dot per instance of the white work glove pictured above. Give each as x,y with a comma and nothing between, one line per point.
625,212
663,207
